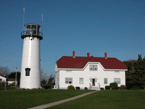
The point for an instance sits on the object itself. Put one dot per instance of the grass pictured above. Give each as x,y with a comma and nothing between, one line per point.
7,88
108,99
23,99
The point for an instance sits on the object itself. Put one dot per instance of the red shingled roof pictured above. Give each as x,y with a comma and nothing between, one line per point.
80,62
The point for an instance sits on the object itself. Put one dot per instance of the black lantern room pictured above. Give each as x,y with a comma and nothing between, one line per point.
31,30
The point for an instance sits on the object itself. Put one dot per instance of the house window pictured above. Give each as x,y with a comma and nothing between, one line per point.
93,67
27,71
81,81
105,80
68,80
117,80
0,80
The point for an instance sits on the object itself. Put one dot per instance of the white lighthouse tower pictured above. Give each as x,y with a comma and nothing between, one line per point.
30,68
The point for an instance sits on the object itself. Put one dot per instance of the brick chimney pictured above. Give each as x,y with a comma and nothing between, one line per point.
73,54
88,54
105,55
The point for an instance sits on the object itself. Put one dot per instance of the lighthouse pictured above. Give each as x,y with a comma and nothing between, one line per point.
30,67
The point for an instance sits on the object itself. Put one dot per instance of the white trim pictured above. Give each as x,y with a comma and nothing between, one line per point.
56,67
115,69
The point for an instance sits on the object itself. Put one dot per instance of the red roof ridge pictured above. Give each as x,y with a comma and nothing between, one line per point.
88,57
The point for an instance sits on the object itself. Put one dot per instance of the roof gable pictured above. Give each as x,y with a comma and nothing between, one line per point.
2,77
80,62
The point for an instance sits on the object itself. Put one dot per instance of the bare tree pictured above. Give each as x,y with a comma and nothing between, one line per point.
41,73
43,76
4,71
51,79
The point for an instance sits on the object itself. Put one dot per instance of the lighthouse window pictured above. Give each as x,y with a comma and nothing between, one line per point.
27,71
34,27
28,26
34,32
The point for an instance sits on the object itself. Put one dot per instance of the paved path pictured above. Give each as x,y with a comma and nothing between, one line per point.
61,101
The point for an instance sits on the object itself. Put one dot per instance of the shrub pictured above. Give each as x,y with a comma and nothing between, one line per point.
107,87
102,88
114,85
135,88
85,88
122,87
70,87
47,87
77,88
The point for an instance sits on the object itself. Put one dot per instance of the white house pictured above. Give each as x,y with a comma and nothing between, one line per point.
12,81
2,79
91,72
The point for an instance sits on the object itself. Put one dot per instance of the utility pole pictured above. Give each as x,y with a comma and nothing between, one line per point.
16,77
5,83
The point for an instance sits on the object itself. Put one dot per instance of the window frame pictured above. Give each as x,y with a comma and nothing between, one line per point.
106,82
93,67
27,71
68,81
81,82
118,82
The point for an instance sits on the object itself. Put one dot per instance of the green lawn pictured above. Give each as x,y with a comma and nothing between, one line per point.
109,99
23,99
7,88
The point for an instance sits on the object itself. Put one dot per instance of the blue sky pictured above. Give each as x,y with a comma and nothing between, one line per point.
96,26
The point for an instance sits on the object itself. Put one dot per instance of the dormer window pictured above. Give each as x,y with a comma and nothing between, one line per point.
27,71
93,67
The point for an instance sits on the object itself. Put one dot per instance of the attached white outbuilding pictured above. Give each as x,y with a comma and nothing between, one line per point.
2,79
91,72
12,81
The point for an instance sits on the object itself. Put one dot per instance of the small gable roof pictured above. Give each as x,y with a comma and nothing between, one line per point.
80,62
2,77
